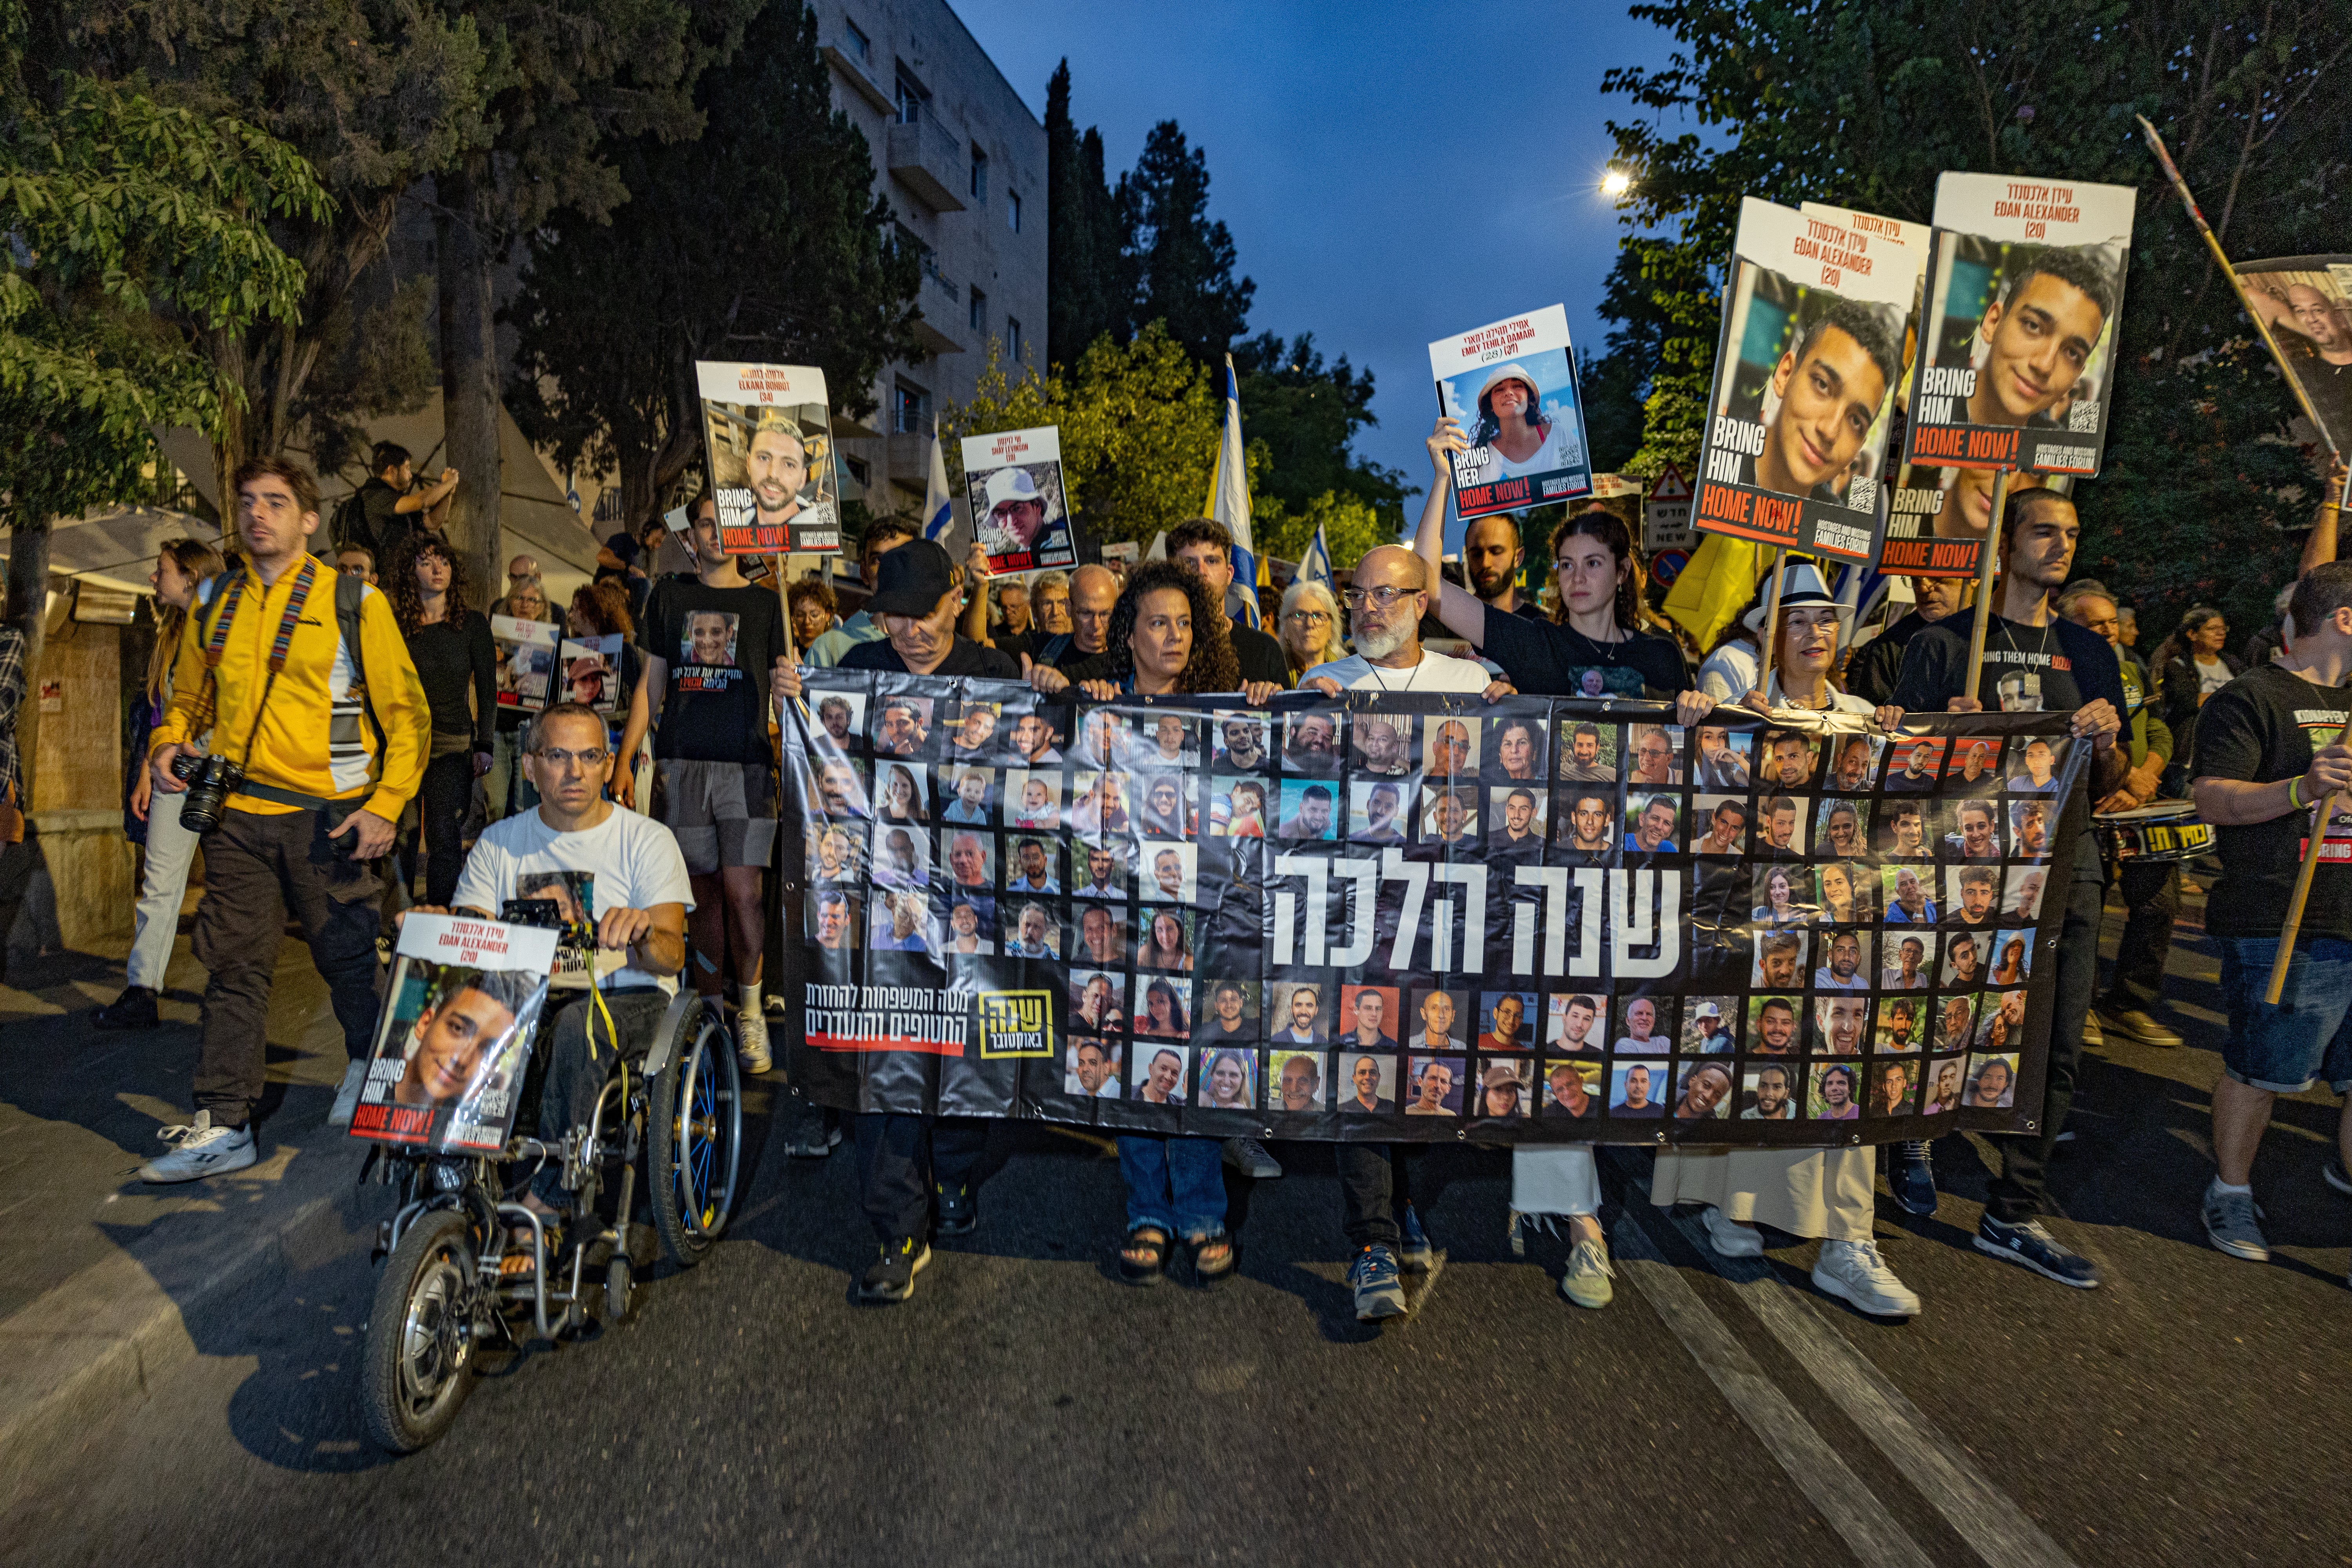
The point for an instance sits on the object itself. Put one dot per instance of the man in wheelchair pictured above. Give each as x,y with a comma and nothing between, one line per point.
600,863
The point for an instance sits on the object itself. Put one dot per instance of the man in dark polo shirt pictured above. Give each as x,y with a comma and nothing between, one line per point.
1206,550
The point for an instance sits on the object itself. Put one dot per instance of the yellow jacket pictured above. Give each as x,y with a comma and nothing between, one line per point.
314,738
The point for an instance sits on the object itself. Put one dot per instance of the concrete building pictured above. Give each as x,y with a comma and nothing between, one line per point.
961,161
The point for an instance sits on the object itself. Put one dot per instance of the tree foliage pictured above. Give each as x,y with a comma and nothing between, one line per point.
1086,293
762,240
134,229
375,95
1181,263
1351,525
1139,427
1864,104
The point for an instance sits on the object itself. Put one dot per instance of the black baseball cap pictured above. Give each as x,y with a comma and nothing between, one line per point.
913,579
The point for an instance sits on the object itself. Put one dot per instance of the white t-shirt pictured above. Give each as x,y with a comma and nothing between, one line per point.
1435,672
2211,676
626,862
1560,450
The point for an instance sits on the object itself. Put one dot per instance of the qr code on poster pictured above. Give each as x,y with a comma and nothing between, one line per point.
2083,419
1861,494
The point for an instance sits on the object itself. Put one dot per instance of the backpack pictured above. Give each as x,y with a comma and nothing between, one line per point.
348,529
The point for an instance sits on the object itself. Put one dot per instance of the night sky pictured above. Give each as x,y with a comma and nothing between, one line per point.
1385,184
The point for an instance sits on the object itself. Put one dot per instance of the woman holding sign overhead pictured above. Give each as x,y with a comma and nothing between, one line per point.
1167,637
1593,649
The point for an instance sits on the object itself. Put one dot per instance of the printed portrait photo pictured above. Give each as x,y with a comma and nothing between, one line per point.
1588,752
1518,751
970,857
1909,960
1438,1019
1779,960
1165,742
1031,930
1382,745
1722,758
1241,744
1505,1089
1507,1021
1841,1024
1768,1093
2030,824
1433,1085
1971,894
1638,1089
1096,1007
970,796
1653,757
1033,799
2021,900
905,796
1854,763
1164,937
1310,810
1174,871
1719,825
902,858
1295,1080
1300,1012
1946,1082
1841,828
1780,826
1237,807
1368,1017
1515,820
1310,745
1704,1091
1449,747
1369,1086
1909,895
1376,812
1574,1024
1157,1073
836,852
834,919
1228,1079
1901,832
1902,1024
840,719
967,932
1845,962
1711,1025
1104,872
1587,822
902,725
1843,893
1571,1089
1092,1068
840,788
975,737
1772,1024
1165,812
1894,1088
1833,1097
1653,822
1956,1021
1992,1082
1918,764
900,921
2012,957
1449,816
1228,1012
1788,760
1644,1023
1163,1007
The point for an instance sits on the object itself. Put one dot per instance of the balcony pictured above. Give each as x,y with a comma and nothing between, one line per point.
942,303
841,54
930,162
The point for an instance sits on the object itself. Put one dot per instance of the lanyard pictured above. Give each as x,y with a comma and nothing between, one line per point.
216,642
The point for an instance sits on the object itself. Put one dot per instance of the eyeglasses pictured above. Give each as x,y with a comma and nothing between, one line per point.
1354,598
1309,619
561,760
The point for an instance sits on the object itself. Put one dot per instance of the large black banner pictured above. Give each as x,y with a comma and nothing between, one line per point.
1423,917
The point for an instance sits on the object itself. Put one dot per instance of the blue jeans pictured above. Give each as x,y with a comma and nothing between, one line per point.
1177,1184
2308,1036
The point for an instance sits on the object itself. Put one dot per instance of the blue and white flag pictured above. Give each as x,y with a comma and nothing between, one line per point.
1229,501
939,505
1317,566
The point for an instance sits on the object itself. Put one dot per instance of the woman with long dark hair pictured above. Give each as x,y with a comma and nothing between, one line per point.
2191,665
1167,637
183,568
457,664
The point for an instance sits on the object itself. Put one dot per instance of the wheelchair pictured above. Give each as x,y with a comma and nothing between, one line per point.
443,1301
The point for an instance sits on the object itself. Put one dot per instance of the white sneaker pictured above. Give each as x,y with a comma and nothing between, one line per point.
347,1099
1728,1236
751,1042
204,1150
1855,1271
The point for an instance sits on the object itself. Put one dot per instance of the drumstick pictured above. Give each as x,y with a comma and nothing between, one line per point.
1771,627
2302,891
1984,578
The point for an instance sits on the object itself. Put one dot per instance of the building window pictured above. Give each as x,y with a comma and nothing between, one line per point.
910,410
979,175
979,311
911,99
859,470
1012,210
1013,338
855,42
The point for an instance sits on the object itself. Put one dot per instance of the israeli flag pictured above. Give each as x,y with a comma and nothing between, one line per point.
1317,566
939,506
1229,502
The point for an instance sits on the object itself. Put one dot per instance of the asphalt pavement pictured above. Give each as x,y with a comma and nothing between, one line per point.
1027,1407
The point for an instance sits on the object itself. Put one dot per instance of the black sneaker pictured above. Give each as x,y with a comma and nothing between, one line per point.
959,1210
2029,1242
815,1134
134,1009
1912,1178
891,1277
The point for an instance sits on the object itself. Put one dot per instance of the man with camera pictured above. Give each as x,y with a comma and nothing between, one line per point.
322,731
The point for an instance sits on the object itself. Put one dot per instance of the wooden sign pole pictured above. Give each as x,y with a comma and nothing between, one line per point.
1984,578
2301,894
1771,624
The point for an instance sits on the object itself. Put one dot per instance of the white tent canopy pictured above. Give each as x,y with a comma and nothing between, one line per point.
116,549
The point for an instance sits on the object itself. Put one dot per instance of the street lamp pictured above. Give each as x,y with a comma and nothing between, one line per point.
1616,182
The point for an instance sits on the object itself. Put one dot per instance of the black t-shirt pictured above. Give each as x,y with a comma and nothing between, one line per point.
1876,669
386,527
2261,728
1261,657
2054,668
1013,645
447,658
966,658
1544,658
720,644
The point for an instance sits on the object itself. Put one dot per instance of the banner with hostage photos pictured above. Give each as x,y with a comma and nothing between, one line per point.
1392,916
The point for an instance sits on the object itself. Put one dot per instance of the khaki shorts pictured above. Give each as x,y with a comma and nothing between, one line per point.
722,813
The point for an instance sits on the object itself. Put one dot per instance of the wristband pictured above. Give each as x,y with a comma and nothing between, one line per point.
2295,793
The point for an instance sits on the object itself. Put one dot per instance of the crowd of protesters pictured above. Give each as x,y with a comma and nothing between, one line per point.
329,801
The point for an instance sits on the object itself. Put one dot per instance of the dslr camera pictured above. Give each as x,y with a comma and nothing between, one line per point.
211,780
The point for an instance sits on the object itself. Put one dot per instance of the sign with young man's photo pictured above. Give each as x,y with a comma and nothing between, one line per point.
1400,916
768,438
1794,452
2307,302
1511,384
1018,502
447,1071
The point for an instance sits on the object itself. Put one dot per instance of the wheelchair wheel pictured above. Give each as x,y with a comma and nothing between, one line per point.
693,1146
418,1367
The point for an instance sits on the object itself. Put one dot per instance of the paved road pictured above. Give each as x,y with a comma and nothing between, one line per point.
1027,1407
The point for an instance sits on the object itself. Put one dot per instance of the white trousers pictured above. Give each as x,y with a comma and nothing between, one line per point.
171,853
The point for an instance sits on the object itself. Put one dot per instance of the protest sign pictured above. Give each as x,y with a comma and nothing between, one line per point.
1512,385
592,671
1410,917
526,655
1018,504
768,438
1794,451
2024,290
447,1066
2307,302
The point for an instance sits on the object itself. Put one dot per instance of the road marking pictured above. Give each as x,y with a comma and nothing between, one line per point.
1835,1490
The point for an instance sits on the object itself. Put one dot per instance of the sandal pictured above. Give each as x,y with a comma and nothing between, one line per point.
1145,1257
519,1267
1213,1258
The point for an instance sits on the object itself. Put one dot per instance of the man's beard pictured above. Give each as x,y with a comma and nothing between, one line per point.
1381,644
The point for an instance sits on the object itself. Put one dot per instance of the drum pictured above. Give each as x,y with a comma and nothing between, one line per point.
2164,830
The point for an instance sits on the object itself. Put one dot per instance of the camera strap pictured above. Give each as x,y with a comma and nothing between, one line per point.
217,644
